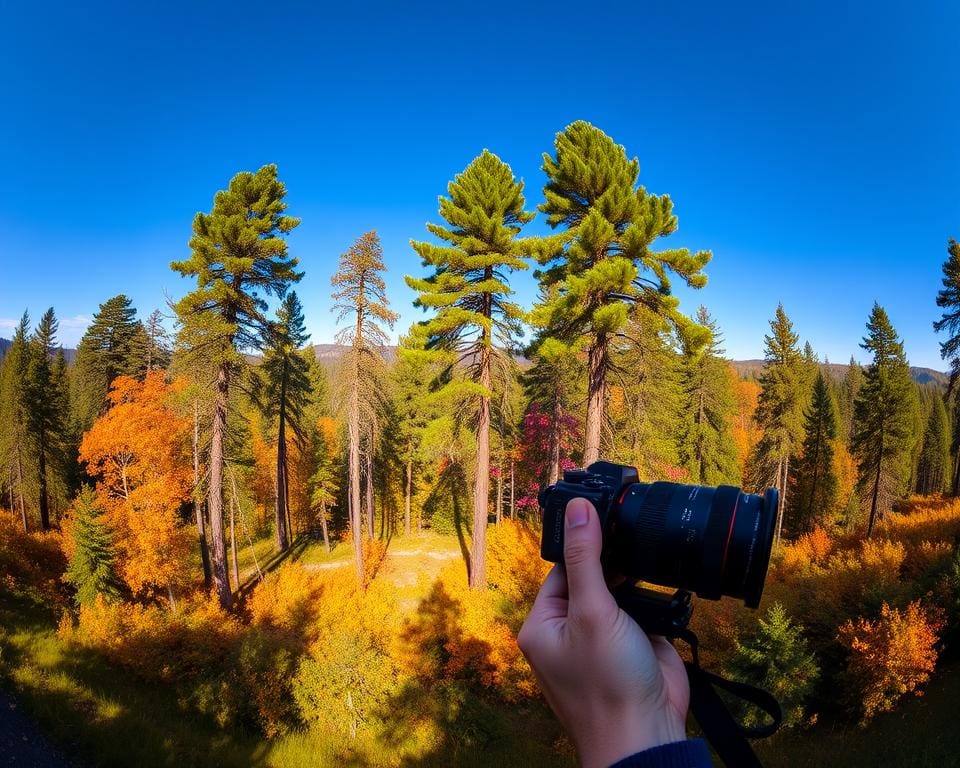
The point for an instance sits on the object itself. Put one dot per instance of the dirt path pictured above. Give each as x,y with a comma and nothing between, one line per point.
21,742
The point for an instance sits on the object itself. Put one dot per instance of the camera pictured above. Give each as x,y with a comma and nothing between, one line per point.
694,538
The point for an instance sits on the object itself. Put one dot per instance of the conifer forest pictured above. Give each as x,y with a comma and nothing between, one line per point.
224,542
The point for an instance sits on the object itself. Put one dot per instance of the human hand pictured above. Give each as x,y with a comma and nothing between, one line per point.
615,690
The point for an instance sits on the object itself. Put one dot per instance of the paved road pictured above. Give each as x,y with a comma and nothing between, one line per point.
21,743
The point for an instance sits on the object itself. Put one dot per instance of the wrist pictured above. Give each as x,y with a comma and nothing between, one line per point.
620,737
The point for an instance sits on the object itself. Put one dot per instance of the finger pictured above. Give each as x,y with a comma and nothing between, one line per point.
555,585
590,600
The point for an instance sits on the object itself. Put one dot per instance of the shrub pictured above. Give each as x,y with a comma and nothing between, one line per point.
775,656
889,657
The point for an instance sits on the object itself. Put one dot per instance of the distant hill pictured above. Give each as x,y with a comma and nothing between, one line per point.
751,369
68,353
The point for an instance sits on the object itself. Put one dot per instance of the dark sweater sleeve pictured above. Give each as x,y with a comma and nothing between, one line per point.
679,754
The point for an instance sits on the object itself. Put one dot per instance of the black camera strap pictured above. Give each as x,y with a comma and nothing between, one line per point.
728,737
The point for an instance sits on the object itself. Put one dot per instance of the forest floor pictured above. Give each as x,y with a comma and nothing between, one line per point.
100,715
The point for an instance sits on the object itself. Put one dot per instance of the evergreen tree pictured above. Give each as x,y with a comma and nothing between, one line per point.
45,419
777,658
552,384
933,470
238,255
92,569
15,435
646,396
882,418
852,381
815,484
156,344
948,299
110,347
601,266
414,377
779,410
283,392
362,293
706,447
470,292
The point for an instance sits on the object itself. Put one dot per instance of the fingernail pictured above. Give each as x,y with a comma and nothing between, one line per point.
578,513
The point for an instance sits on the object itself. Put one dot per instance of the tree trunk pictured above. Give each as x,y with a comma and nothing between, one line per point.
408,492
513,511
23,507
876,496
197,508
596,389
323,526
221,578
781,477
369,488
500,488
554,475
481,488
956,474
281,502
42,467
234,501
353,435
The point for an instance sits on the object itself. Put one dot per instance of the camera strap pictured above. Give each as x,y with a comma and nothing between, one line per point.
728,737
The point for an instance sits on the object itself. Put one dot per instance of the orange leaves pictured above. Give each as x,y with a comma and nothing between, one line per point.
139,452
290,600
890,656
745,432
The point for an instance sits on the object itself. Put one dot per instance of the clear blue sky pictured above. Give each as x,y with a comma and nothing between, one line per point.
813,147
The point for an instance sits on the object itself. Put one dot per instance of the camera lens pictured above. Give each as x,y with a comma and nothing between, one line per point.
713,541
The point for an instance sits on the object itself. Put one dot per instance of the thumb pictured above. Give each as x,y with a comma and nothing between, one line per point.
589,598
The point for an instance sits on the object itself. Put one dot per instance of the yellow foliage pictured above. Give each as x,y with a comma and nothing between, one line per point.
31,562
289,600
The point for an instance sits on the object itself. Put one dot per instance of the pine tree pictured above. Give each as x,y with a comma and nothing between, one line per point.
157,350
779,410
46,412
777,658
469,290
415,376
815,483
948,299
93,566
552,384
882,417
706,447
362,293
238,255
601,266
15,434
852,381
933,469
110,347
283,392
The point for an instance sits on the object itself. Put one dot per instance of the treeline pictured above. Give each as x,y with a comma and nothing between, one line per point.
453,433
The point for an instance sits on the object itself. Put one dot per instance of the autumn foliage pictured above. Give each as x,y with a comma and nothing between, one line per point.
138,451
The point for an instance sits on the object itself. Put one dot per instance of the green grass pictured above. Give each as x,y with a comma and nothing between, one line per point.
919,733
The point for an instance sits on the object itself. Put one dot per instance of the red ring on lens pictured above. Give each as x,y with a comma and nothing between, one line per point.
726,547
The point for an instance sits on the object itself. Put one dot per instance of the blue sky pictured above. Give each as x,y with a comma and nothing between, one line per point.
813,148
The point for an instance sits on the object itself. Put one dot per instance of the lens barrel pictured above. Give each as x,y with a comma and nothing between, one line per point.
712,541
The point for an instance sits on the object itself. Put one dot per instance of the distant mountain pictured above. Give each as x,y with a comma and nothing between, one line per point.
751,369
68,353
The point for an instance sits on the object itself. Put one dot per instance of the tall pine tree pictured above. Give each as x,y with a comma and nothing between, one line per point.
110,347
47,411
238,255
882,418
601,265
815,482
706,446
469,289
933,469
779,410
361,293
283,392
15,435
948,299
